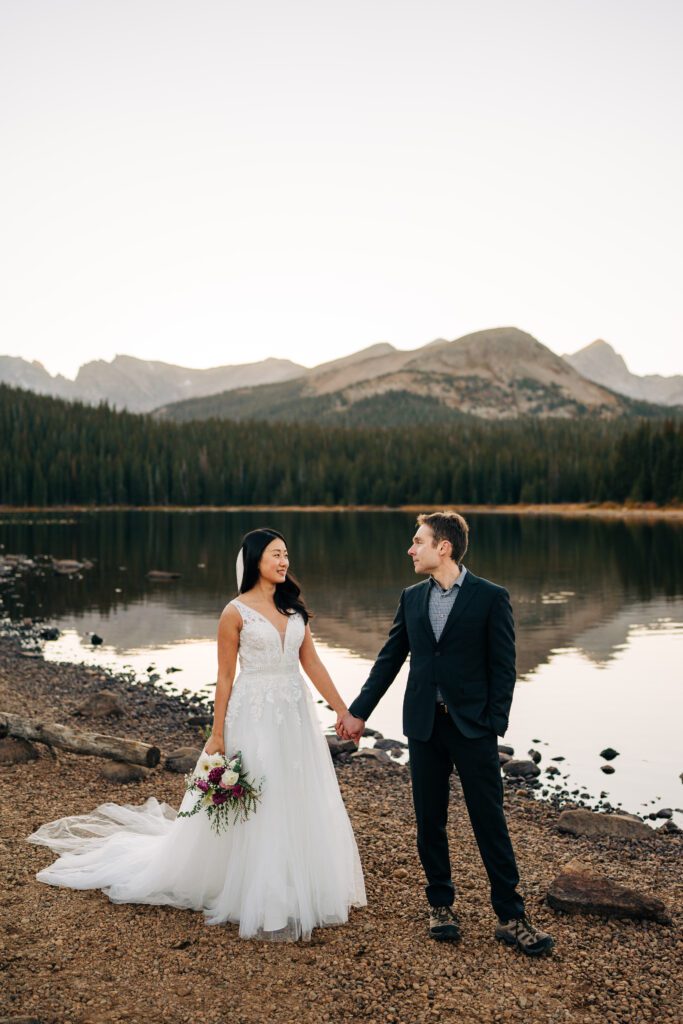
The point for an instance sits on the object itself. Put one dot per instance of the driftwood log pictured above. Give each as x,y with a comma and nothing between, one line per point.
94,743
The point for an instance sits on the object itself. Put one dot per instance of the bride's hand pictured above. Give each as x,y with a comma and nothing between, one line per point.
215,745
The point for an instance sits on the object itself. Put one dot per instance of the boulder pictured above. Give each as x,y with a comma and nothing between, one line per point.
607,769
503,748
66,566
372,754
387,744
522,769
665,812
102,704
580,890
338,746
583,822
535,755
49,633
609,753
119,771
182,759
15,750
503,758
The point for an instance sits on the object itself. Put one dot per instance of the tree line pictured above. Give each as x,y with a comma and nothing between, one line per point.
54,452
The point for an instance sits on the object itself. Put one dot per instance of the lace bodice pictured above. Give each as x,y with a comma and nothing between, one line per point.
262,645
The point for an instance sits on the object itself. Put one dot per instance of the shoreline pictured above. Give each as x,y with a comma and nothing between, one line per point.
73,957
604,510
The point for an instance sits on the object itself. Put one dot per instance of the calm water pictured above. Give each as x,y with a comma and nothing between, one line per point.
598,608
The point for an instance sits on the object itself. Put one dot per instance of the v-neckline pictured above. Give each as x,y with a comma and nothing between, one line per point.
281,633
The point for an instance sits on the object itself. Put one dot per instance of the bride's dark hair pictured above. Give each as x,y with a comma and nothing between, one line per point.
288,593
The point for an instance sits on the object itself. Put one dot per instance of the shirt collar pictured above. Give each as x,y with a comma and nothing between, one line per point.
456,583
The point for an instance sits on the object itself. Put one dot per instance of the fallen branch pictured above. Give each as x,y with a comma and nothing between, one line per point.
95,743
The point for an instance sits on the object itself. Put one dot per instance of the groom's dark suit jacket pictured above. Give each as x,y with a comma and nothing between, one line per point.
472,663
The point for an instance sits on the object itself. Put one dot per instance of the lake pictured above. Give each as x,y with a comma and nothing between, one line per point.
598,609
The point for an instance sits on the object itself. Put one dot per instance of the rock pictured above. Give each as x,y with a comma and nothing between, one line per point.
580,890
400,873
96,640
338,746
552,770
535,755
387,744
161,575
66,566
373,732
20,1020
505,749
372,754
607,769
525,769
560,757
665,812
503,758
200,720
669,827
101,705
609,753
183,759
49,633
583,822
16,750
119,771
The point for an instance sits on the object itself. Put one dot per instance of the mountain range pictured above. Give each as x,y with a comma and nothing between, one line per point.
500,373
600,363
140,385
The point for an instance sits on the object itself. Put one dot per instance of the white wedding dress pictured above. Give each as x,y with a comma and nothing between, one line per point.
292,866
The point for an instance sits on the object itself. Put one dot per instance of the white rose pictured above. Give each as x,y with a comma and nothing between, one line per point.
228,779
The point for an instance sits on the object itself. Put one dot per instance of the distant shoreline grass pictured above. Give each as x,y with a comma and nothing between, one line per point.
604,510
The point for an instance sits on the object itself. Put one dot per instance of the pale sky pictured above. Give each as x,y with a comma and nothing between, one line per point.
215,182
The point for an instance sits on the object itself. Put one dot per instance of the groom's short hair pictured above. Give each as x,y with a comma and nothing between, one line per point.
449,526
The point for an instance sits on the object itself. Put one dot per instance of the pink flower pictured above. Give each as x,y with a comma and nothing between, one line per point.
237,790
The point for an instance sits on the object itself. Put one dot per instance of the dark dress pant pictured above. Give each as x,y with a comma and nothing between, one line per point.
478,766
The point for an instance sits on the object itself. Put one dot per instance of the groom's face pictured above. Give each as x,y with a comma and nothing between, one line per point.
424,552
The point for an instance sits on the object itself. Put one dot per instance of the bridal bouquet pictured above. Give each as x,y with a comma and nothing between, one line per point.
227,793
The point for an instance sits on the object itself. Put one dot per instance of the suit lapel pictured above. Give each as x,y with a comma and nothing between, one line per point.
467,590
424,612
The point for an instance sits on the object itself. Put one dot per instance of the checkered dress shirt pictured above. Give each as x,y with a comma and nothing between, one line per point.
440,604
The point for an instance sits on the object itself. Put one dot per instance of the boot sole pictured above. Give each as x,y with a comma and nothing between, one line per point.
441,937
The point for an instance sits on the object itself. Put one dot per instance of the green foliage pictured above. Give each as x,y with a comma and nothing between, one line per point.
54,452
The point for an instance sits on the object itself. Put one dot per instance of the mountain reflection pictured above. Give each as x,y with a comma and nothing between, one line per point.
578,583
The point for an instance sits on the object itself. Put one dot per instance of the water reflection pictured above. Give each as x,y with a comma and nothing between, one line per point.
586,595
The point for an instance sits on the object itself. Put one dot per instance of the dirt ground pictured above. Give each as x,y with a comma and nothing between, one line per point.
73,957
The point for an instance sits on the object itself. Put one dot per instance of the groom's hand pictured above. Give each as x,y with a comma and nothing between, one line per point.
350,728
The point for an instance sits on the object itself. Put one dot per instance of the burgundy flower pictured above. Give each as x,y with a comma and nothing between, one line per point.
237,790
215,775
219,798
203,785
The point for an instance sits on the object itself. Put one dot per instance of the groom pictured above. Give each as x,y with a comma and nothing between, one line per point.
459,632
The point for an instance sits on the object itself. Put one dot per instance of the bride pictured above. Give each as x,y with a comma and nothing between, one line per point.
293,864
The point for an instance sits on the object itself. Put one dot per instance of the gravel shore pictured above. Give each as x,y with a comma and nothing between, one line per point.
72,956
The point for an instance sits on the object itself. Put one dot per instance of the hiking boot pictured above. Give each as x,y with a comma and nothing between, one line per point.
443,924
520,932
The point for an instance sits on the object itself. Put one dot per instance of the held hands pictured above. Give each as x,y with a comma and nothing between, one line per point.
349,728
215,745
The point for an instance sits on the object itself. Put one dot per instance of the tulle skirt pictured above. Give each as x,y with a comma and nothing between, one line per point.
292,866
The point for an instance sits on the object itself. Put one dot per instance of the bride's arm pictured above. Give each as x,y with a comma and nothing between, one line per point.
228,644
318,674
